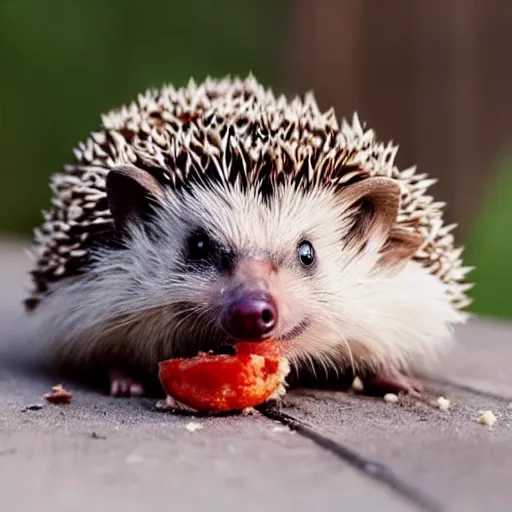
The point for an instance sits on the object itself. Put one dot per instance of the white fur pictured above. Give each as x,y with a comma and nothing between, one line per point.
129,304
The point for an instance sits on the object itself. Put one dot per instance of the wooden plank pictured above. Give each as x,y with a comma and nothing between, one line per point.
387,73
323,52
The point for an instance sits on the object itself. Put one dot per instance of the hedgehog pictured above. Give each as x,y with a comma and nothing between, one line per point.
199,216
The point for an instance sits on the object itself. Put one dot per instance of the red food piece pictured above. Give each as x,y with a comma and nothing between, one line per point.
58,395
262,348
221,383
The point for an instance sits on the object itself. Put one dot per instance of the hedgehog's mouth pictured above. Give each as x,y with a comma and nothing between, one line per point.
295,331
228,346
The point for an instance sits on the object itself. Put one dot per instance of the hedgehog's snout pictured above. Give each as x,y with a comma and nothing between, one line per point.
250,310
253,316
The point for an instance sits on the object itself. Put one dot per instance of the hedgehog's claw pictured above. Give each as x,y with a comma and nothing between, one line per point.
122,385
392,382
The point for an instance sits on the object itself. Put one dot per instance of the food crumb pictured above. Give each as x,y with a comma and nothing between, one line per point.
391,398
357,384
58,395
487,418
193,426
171,404
249,411
443,403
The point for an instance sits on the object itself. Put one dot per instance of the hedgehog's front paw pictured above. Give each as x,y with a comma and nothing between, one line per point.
392,382
122,385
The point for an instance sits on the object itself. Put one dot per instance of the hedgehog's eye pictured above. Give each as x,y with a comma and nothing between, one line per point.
199,246
306,253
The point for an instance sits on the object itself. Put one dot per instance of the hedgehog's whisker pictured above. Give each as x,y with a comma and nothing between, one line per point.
349,350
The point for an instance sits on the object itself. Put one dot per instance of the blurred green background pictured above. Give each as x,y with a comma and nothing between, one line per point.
64,63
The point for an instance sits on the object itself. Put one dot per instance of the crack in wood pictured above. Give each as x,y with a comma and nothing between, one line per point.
369,468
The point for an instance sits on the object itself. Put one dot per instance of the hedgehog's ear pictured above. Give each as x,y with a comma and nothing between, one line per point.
372,204
130,194
400,247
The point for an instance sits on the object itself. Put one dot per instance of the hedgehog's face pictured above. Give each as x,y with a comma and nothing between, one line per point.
257,266
239,268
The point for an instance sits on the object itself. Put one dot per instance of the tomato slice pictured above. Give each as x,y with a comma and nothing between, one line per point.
221,383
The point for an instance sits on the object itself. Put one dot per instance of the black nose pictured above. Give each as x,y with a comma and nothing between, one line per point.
251,317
